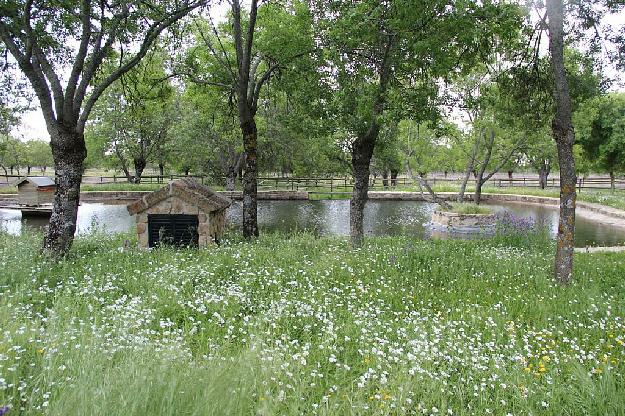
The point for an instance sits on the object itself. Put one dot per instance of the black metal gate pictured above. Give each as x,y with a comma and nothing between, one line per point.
173,229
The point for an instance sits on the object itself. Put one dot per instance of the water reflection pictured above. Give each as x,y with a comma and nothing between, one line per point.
104,217
328,217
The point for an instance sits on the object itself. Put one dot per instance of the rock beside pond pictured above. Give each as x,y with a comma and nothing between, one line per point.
463,222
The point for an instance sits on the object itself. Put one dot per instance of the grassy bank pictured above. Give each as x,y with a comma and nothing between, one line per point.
299,325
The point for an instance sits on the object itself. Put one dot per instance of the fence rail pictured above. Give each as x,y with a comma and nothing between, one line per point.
341,184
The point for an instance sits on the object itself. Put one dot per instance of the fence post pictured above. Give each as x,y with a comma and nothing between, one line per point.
331,188
114,178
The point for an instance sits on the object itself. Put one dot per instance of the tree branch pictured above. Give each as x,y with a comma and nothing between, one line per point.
79,61
152,34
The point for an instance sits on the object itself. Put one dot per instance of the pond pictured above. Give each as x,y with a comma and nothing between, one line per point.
331,217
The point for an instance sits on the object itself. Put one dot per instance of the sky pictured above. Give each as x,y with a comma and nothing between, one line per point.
33,125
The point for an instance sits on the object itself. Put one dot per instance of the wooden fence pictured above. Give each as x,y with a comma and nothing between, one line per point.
344,184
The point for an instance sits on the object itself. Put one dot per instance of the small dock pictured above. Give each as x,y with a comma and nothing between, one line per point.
32,211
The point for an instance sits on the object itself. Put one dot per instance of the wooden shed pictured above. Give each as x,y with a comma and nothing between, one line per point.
182,213
36,190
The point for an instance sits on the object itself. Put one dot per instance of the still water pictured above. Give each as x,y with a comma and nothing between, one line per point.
329,217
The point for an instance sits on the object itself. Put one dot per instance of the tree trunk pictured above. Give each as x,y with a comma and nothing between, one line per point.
477,195
394,174
423,184
161,170
543,174
28,170
510,172
186,171
140,164
129,177
612,183
250,179
231,177
69,153
479,175
362,151
465,180
564,136
124,165
385,179
467,173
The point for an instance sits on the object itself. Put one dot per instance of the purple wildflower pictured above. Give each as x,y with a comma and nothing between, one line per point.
4,410
508,223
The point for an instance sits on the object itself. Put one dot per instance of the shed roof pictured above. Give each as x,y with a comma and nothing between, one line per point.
186,189
38,181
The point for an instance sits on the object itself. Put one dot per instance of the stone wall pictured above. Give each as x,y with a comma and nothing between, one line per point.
455,220
210,226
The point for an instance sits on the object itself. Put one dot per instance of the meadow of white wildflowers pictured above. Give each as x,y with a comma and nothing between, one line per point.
301,325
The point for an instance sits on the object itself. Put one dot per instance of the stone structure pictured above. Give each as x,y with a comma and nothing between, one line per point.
36,190
463,222
182,201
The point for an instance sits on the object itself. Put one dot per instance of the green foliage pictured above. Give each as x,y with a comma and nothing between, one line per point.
466,208
37,153
600,129
207,136
301,325
131,121
11,152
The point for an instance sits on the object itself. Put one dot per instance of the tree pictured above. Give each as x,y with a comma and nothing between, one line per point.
492,141
386,156
206,136
393,52
564,136
418,144
541,154
134,115
11,154
37,153
283,37
600,126
88,32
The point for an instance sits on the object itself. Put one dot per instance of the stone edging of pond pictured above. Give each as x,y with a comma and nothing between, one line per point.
595,212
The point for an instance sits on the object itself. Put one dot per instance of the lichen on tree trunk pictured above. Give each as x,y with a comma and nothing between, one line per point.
69,152
564,136
358,202
362,151
250,181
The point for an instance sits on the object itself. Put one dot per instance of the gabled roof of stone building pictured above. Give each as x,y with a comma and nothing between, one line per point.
186,189
38,181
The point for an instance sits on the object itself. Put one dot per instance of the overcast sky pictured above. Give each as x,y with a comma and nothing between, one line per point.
33,125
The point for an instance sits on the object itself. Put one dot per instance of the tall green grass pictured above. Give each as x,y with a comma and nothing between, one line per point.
302,325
